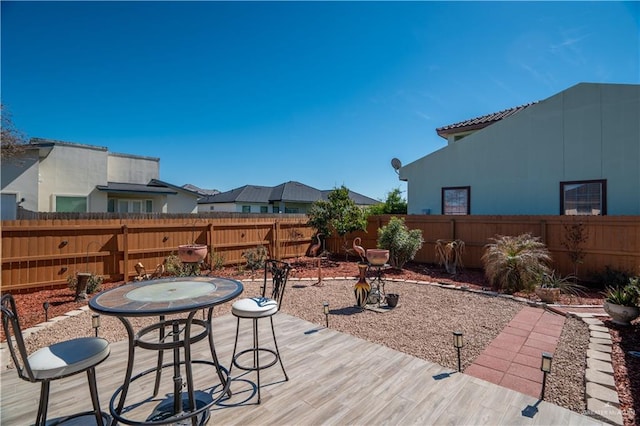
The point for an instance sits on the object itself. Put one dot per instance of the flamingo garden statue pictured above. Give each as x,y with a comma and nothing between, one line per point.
359,249
314,249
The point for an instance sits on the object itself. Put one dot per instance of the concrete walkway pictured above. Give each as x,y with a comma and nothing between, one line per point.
513,358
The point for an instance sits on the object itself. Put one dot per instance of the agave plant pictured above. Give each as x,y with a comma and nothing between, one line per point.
514,264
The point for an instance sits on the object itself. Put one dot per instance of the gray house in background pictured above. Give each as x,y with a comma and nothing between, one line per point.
289,197
575,153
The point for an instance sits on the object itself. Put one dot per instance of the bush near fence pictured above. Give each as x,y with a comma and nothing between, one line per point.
44,251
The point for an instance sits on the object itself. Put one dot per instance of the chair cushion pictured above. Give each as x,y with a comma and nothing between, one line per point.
69,357
254,307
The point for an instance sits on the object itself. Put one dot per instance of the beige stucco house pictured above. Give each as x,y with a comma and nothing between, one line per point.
576,152
56,176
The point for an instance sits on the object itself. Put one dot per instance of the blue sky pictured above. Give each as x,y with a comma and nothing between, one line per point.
324,93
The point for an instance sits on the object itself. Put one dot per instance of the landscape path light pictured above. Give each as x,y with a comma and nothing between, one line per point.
545,366
458,343
325,307
95,322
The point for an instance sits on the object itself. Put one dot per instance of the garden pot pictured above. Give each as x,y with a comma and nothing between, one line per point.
377,257
392,299
82,278
548,295
192,253
362,287
622,315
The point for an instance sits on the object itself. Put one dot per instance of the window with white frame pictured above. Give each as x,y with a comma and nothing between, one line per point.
456,200
588,197
67,204
127,205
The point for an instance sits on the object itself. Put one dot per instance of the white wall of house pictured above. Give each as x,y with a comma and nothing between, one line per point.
73,170
217,207
19,179
515,166
181,203
132,168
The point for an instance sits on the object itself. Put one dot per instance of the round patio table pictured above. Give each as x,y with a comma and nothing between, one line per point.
181,298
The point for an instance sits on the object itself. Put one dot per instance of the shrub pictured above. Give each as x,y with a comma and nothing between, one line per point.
612,277
217,261
173,266
402,243
256,257
94,283
628,295
514,264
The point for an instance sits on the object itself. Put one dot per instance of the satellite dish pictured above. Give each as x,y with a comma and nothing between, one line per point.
396,164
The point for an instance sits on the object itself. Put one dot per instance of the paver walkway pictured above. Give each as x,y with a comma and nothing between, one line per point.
513,358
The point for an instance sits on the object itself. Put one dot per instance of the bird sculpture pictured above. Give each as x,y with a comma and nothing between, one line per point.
314,249
359,249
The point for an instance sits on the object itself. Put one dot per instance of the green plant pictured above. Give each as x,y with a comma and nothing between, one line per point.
174,266
339,214
567,285
574,238
612,277
449,254
217,261
94,283
402,243
514,263
627,295
394,204
256,257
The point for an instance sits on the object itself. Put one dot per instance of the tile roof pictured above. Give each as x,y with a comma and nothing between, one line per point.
292,192
135,188
480,122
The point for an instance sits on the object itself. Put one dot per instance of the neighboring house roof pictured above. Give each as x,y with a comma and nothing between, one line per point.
134,188
292,192
201,191
161,183
479,122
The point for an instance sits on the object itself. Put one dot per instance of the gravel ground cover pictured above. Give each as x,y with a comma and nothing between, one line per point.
421,325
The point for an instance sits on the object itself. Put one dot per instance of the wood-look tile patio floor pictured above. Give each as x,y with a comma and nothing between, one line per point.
335,379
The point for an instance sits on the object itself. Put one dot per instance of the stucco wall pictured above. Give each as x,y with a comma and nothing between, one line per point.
515,166
73,171
20,177
132,169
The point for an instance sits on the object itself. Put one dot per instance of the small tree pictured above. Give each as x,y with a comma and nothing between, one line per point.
402,243
339,214
575,237
394,204
12,140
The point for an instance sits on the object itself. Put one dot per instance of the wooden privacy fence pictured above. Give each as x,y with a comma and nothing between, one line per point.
612,241
44,253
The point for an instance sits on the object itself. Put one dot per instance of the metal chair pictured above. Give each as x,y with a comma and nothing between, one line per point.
53,362
276,274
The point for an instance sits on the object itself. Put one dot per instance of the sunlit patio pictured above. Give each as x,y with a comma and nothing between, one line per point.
335,378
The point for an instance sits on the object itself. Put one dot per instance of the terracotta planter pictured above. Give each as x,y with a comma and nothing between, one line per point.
377,257
362,288
192,253
548,295
620,314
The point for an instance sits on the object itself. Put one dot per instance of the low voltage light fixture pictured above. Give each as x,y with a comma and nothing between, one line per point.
458,343
45,306
325,308
545,366
95,322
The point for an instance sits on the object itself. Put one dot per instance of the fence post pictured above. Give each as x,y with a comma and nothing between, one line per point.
276,239
543,231
453,229
125,250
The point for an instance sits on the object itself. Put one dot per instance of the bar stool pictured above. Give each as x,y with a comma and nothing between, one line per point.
276,274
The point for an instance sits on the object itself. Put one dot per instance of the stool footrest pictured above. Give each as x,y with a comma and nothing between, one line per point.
255,351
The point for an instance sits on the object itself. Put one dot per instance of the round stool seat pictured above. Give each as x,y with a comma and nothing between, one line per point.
254,307
69,357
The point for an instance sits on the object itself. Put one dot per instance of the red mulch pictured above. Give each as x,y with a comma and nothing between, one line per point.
625,339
